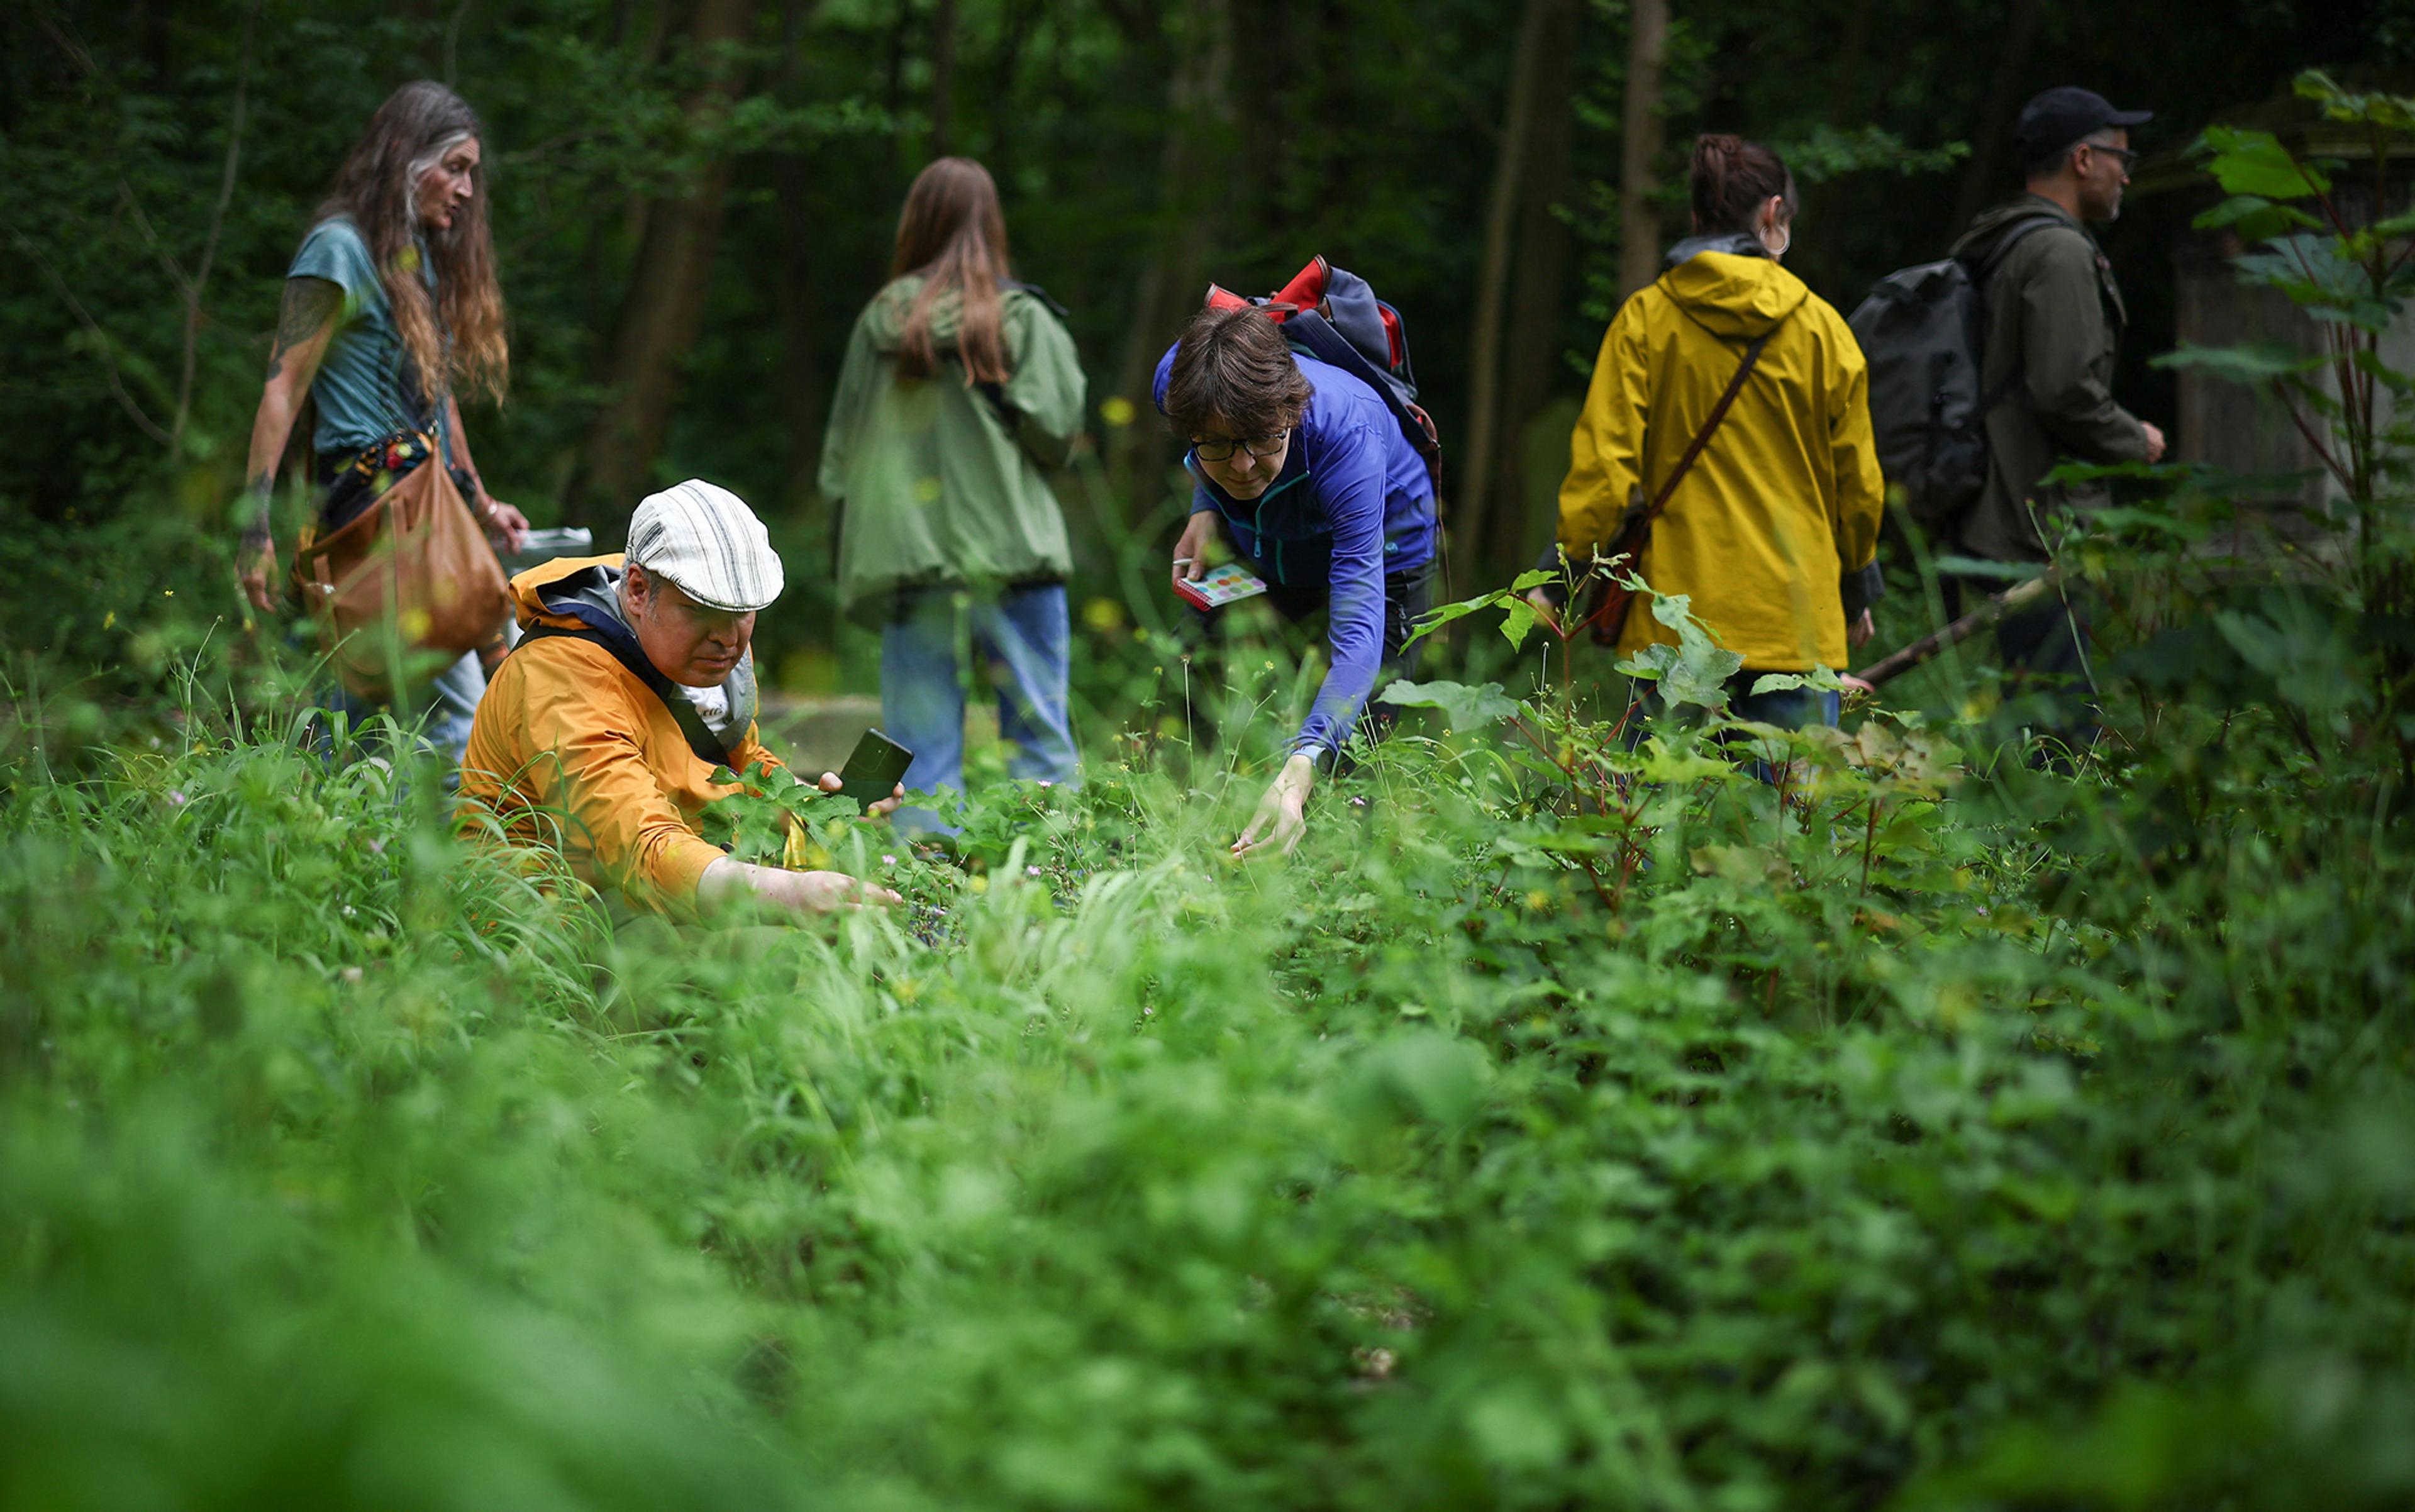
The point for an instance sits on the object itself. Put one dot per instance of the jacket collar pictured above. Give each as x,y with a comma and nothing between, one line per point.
584,594
1733,243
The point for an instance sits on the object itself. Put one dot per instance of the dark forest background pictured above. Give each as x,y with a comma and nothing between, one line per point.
692,199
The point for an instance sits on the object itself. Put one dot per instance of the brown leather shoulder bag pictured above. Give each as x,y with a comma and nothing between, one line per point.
411,573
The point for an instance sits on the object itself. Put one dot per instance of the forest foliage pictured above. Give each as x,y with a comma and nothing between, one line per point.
1954,1123
693,198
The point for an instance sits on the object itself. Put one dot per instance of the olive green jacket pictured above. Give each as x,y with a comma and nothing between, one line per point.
938,483
2053,325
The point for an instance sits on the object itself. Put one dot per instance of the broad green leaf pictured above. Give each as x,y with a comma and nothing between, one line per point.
1436,618
1518,621
2255,162
2254,218
2392,113
1463,707
2253,362
1650,663
1817,677
1664,764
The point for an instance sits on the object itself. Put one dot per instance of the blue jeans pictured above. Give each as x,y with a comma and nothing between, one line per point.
450,703
1025,637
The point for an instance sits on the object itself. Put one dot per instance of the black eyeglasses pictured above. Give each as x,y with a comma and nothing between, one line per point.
2127,155
1222,451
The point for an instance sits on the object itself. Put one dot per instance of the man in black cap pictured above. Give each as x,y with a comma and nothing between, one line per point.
2054,318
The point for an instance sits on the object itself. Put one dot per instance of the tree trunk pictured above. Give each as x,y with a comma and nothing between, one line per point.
943,78
1192,182
1531,367
1845,91
795,300
1524,253
1639,211
1995,122
665,305
1001,118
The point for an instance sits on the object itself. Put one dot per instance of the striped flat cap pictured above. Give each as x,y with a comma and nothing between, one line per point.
705,540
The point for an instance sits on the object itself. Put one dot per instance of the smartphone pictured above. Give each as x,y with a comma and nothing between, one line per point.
1221,585
875,769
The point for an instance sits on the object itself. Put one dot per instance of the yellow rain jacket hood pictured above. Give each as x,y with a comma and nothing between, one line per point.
1786,498
570,749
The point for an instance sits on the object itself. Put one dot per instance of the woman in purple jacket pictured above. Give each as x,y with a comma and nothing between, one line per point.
1306,471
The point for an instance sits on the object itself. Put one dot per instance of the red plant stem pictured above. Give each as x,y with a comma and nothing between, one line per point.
2322,453
1598,891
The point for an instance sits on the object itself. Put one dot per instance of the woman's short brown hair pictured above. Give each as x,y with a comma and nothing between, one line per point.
1232,366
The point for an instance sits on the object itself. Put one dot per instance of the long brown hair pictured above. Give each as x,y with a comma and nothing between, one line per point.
952,232
1732,179
457,337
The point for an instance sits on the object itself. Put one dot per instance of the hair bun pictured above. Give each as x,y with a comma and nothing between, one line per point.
1732,177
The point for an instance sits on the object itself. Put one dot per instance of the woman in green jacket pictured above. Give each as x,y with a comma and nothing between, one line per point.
960,386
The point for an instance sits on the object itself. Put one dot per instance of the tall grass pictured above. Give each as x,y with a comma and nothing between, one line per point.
2037,1142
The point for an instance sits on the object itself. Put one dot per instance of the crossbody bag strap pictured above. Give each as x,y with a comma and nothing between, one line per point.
1710,426
701,739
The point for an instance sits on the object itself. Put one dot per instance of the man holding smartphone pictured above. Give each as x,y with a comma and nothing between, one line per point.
633,682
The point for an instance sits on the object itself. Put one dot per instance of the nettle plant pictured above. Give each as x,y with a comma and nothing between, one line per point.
1033,832
1693,786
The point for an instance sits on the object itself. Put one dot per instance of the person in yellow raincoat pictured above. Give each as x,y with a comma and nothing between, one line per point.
1774,530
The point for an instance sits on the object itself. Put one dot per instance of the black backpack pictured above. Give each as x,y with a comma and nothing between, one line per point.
1922,330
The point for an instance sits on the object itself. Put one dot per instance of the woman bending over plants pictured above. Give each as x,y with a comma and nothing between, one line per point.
1304,469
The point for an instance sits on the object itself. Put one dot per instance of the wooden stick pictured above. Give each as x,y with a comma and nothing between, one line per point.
2019,596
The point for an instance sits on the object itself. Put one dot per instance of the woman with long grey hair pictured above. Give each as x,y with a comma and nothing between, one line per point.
391,307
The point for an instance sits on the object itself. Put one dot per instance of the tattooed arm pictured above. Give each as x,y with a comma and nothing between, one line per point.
303,325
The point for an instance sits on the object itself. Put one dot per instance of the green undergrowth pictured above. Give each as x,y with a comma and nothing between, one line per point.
1567,1124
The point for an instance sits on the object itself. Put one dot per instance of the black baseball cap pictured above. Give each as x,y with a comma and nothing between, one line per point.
2061,116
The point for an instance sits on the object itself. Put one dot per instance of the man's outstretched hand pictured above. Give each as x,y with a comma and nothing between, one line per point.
804,892
830,783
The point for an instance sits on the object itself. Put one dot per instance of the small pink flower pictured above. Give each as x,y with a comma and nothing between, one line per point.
1045,783
888,861
1031,871
175,799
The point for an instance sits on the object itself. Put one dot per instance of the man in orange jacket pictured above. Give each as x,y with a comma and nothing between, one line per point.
632,682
